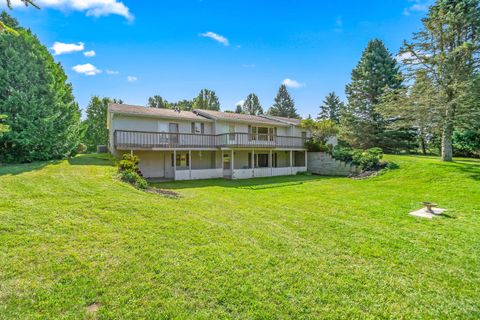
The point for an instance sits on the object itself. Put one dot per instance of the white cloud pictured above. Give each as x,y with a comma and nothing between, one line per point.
95,8
114,72
89,54
240,103
87,69
132,78
404,56
293,83
417,6
61,48
216,37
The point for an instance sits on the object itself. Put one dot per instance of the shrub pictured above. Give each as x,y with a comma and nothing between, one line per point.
313,145
129,172
366,159
134,179
81,148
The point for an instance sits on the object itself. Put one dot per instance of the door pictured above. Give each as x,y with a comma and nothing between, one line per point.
168,161
226,158
173,128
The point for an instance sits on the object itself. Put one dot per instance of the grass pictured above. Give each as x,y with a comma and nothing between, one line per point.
73,236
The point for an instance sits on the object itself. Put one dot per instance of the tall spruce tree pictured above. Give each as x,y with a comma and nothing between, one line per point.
207,100
252,105
284,105
331,108
377,70
43,116
448,48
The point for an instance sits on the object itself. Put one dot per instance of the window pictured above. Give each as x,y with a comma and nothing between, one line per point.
263,133
198,127
226,161
182,159
304,135
261,160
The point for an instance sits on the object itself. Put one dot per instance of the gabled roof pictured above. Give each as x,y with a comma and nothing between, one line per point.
291,121
154,112
238,117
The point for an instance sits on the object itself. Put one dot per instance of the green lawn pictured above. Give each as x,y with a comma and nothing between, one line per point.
286,247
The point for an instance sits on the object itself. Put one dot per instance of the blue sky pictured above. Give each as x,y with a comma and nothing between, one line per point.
175,48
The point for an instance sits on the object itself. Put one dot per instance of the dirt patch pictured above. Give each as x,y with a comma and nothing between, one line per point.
93,307
163,192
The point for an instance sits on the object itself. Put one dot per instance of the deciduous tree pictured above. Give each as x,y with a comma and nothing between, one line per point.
448,49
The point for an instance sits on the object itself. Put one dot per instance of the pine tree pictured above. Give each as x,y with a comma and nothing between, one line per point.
284,105
331,108
96,132
206,100
158,102
238,108
377,70
42,114
252,105
448,49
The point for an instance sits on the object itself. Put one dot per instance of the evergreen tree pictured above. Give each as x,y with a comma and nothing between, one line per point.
414,108
95,125
42,114
238,108
448,49
158,102
252,105
206,100
331,108
4,25
284,105
377,70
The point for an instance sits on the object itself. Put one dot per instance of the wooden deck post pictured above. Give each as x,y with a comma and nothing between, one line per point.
306,158
253,163
270,162
232,163
190,164
291,162
174,164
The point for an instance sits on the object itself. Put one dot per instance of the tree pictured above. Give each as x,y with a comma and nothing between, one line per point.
448,49
43,116
185,105
95,125
238,108
4,27
206,100
321,131
377,70
331,108
284,105
158,102
252,105
414,108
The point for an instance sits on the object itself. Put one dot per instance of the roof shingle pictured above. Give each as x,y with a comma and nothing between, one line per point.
154,112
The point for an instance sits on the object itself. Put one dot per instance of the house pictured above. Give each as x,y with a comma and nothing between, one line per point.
202,144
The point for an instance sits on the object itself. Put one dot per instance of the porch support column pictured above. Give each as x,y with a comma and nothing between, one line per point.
291,162
190,164
306,159
253,163
174,164
270,162
232,163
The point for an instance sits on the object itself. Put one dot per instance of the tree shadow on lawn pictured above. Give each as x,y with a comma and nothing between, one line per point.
15,169
471,167
92,159
252,184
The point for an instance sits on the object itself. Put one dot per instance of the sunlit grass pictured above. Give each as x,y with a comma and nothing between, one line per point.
292,247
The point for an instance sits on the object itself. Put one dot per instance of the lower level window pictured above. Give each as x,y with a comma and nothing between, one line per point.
182,159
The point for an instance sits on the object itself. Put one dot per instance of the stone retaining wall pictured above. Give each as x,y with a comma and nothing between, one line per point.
323,164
